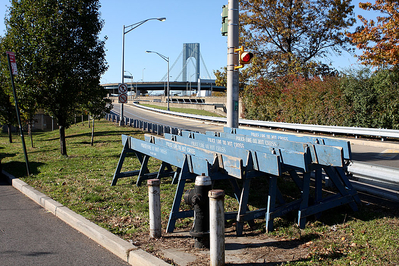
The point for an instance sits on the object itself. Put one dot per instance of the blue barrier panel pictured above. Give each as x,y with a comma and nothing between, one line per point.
289,158
294,137
233,165
320,154
264,162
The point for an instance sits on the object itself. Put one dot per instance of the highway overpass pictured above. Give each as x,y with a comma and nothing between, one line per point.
180,88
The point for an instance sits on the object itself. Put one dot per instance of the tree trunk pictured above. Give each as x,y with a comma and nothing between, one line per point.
30,133
9,133
62,141
92,134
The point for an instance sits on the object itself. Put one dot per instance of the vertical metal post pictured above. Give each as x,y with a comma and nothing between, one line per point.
168,84
216,227
154,200
18,116
123,70
232,60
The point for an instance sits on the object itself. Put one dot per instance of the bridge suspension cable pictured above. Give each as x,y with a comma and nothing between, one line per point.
185,66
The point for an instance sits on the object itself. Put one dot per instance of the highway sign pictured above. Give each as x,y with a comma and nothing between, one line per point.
122,98
122,88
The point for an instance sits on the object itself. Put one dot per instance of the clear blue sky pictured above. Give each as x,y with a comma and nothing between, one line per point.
186,22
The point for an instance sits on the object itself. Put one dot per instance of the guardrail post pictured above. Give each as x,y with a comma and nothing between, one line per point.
154,200
216,227
160,130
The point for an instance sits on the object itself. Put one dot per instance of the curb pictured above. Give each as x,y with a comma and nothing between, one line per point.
119,247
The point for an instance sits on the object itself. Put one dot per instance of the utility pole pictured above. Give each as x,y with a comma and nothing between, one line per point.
232,61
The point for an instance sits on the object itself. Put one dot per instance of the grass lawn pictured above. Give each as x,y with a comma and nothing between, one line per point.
82,180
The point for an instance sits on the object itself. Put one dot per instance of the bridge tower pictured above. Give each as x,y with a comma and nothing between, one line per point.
191,50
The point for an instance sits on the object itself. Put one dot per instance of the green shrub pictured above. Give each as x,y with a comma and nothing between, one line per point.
359,98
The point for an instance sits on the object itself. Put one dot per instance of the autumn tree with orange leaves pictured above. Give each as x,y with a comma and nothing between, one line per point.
293,36
379,39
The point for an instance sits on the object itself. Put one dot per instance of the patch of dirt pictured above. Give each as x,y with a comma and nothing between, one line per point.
250,249
255,247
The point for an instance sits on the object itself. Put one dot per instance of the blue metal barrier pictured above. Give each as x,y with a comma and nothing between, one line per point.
144,125
245,154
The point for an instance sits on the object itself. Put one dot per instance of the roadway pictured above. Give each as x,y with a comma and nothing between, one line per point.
30,235
375,152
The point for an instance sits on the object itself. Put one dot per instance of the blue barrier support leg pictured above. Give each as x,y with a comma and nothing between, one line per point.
184,174
271,202
242,209
120,163
304,200
337,181
348,184
318,188
143,170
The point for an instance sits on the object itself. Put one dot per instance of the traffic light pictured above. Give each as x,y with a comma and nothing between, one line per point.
225,24
244,57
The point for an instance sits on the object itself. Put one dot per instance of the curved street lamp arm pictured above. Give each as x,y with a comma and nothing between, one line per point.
161,55
138,24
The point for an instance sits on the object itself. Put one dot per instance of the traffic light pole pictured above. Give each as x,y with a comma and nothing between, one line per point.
232,60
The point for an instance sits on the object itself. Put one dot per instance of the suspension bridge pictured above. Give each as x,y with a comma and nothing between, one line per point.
182,85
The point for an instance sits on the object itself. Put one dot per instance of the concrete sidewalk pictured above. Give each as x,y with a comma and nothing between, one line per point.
28,240
63,248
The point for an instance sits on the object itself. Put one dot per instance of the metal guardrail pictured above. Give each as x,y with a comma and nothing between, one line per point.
144,125
356,131
376,180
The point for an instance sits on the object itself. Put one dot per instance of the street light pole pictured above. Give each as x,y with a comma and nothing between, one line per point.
126,30
167,60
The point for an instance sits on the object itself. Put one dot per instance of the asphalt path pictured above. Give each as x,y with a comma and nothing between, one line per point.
375,152
29,235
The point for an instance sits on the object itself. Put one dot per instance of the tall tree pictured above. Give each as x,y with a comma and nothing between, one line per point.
60,54
379,39
7,112
7,109
289,36
26,96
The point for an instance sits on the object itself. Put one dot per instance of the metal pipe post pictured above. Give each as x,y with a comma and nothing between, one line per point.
21,132
168,85
123,69
154,207
232,60
216,227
